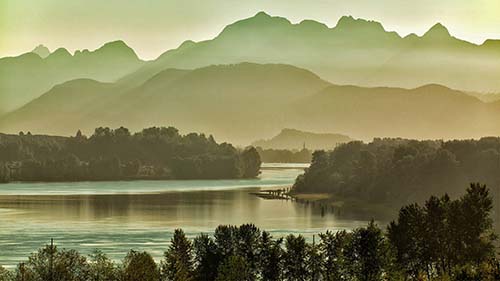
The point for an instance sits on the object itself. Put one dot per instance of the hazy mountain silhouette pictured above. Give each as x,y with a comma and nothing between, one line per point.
355,52
244,102
26,77
234,102
295,139
41,51
486,97
428,112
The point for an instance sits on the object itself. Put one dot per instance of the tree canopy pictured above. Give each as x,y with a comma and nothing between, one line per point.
111,154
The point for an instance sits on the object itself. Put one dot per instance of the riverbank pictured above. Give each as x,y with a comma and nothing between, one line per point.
327,203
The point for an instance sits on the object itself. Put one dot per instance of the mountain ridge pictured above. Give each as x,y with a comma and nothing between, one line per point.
355,51
107,63
263,98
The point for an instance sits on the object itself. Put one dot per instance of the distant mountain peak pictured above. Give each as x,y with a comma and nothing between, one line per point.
42,51
312,24
437,31
262,14
117,46
261,19
350,23
60,53
432,87
187,44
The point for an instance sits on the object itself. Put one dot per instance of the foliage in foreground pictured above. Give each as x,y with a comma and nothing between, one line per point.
443,240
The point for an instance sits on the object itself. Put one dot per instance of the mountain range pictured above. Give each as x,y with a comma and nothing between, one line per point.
260,75
355,52
247,101
28,76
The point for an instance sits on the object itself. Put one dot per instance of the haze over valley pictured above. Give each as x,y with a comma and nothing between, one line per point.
257,65
273,150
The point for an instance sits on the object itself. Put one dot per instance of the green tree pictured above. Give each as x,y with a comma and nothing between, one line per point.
251,162
367,253
407,237
5,275
235,268
333,246
51,264
178,265
140,266
314,262
225,239
102,268
247,246
477,229
270,257
295,258
206,257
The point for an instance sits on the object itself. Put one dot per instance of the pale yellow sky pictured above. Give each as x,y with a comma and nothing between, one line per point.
154,26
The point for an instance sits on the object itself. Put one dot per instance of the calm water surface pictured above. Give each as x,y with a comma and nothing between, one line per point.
118,216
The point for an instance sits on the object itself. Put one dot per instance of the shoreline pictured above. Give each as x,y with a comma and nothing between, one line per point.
345,208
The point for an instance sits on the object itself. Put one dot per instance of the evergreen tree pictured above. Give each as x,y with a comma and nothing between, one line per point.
314,263
270,257
102,268
247,246
206,258
333,245
178,264
140,266
295,258
235,268
225,239
477,227
367,253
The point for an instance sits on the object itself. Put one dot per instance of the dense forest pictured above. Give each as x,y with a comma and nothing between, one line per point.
285,155
442,240
117,154
399,171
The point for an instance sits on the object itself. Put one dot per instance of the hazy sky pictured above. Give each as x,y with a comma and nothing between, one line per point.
153,26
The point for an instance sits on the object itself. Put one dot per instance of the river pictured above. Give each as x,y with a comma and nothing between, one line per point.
142,215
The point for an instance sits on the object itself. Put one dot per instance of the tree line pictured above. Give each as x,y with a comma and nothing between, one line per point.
442,240
399,171
285,155
116,154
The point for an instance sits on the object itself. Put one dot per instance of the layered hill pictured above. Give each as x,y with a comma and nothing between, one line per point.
355,52
427,112
247,101
26,77
234,102
292,139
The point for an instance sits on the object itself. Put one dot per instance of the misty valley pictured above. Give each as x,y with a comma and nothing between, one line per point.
273,150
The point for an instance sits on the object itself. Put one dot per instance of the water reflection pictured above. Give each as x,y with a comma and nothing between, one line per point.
116,223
